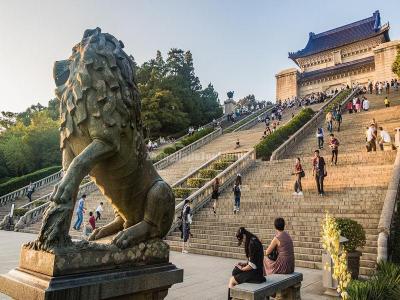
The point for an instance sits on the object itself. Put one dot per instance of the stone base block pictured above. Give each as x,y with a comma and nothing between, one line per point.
86,256
145,282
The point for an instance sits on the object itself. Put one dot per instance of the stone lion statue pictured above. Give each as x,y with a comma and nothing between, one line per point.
102,135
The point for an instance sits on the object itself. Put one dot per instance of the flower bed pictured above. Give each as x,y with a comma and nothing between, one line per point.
182,143
269,144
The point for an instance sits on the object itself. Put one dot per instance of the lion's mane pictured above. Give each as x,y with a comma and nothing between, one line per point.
98,65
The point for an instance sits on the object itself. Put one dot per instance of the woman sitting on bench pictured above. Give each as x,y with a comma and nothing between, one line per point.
252,270
280,253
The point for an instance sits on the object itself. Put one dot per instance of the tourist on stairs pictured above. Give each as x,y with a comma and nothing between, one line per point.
320,137
338,119
252,270
329,121
215,194
319,172
79,212
334,144
299,173
387,102
186,217
236,194
279,256
371,138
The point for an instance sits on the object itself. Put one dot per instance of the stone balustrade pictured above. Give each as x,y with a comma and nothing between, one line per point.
388,211
34,214
199,198
254,121
305,130
7,198
170,159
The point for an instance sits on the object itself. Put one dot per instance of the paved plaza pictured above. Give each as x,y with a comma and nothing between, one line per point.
205,277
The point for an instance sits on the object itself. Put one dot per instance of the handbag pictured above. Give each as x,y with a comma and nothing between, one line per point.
302,173
274,254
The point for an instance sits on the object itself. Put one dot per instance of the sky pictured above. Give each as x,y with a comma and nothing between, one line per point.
236,45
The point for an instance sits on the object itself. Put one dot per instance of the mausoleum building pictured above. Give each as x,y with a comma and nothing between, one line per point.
355,53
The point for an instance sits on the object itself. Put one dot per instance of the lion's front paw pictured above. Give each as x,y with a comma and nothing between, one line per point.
123,239
63,192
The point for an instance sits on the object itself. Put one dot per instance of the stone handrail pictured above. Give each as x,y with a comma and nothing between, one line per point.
200,197
388,211
305,129
22,191
32,215
170,159
254,121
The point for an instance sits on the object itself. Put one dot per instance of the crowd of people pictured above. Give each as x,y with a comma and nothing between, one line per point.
311,99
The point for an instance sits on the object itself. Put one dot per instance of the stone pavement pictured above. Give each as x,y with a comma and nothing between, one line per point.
205,277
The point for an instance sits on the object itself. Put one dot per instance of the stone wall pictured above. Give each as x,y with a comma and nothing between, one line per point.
385,55
286,84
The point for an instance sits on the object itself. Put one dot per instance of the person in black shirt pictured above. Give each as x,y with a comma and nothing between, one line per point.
252,270
319,172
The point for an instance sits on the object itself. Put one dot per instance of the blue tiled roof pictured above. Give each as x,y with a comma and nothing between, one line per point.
317,74
343,35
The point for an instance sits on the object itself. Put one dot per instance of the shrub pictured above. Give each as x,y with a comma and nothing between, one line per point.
208,173
39,203
19,212
268,145
169,150
383,285
179,146
395,237
196,182
19,182
196,136
353,231
230,158
182,192
221,165
338,100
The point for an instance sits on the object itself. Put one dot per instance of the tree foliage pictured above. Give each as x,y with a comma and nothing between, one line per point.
29,141
172,95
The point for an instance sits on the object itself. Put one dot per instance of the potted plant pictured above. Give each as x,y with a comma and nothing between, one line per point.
355,234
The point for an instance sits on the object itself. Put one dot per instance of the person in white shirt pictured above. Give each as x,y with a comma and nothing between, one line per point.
99,210
371,138
365,104
384,138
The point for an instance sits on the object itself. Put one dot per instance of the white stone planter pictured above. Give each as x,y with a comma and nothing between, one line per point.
328,282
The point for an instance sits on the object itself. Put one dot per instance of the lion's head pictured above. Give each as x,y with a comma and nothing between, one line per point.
98,67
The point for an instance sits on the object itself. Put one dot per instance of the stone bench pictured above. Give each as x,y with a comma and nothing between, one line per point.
285,286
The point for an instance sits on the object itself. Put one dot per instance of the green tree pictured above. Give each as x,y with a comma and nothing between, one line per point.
17,155
210,105
54,109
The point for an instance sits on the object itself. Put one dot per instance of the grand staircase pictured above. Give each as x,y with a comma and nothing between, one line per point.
355,188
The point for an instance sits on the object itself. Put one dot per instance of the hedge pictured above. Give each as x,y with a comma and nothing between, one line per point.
182,143
182,192
221,165
208,173
196,182
19,182
19,212
338,100
269,144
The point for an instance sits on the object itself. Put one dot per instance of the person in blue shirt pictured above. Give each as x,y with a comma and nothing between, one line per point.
79,212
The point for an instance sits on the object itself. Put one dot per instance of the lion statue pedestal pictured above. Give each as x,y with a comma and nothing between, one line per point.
101,135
